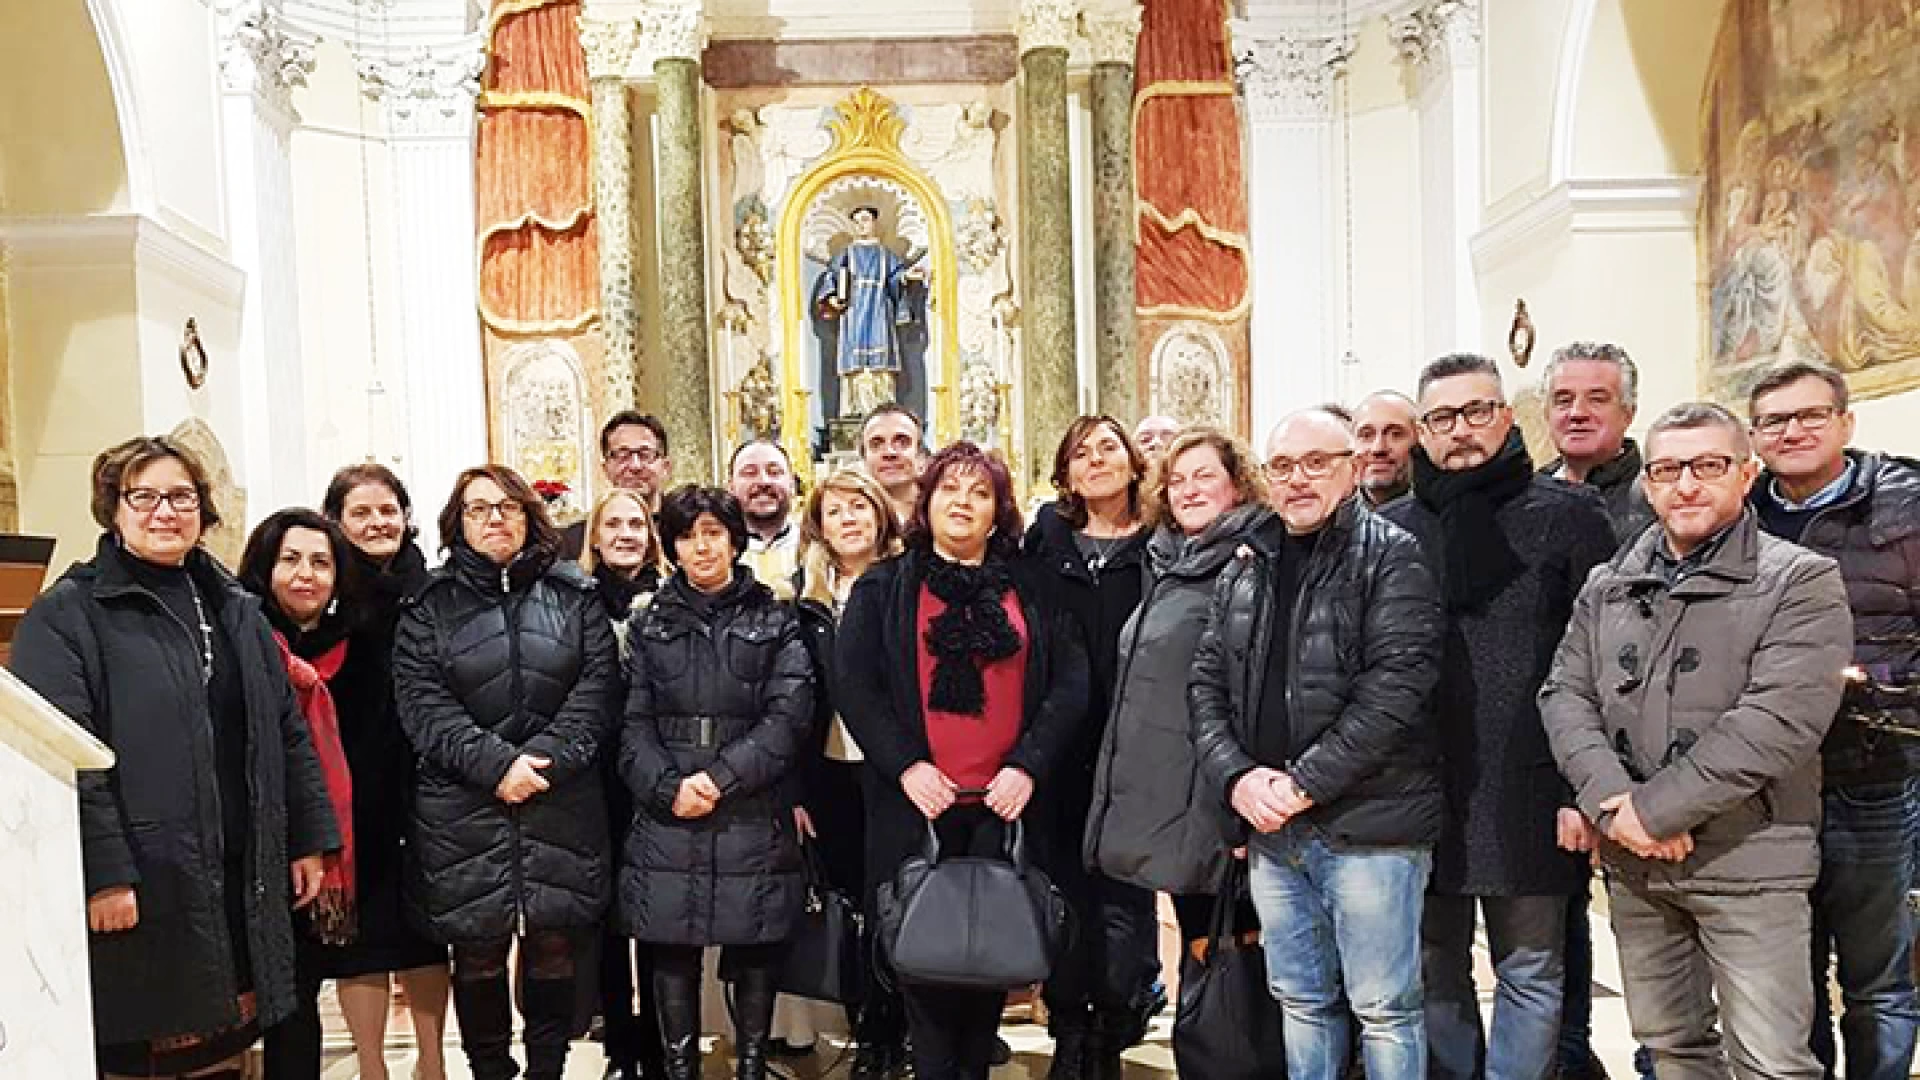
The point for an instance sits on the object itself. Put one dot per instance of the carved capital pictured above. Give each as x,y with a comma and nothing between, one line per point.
260,53
609,45
671,31
1113,35
1047,24
1290,77
428,90
1437,35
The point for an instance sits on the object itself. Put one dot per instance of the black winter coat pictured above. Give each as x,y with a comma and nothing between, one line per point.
719,684
1364,654
103,649
491,664
880,697
1873,532
1504,792
1621,486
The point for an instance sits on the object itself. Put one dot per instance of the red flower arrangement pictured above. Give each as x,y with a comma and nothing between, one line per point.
551,490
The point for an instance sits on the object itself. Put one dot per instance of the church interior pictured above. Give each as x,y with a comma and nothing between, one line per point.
431,233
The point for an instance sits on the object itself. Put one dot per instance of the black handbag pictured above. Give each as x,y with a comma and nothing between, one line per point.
825,952
972,921
1228,1026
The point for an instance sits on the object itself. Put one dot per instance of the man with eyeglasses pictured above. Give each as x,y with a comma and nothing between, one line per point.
1863,510
1309,719
1510,549
633,455
1686,706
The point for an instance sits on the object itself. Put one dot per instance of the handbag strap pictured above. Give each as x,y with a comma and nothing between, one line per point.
1013,840
1225,904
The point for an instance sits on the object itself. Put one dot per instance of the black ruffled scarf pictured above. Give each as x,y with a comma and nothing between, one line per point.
1479,560
973,630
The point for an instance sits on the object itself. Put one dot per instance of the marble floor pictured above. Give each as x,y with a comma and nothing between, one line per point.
1152,1059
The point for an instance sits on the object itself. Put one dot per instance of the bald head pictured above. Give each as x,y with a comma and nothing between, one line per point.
1310,469
1385,425
1153,434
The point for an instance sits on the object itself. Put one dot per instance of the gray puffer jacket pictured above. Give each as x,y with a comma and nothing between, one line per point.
1705,699
1152,823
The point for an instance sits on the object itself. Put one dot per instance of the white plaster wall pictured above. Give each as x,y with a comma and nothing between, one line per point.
1386,277
176,81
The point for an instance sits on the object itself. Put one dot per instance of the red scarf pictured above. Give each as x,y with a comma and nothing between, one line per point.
333,913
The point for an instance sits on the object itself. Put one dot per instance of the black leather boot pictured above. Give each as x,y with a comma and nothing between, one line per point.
753,994
676,998
485,1010
548,1005
1072,1040
1109,1036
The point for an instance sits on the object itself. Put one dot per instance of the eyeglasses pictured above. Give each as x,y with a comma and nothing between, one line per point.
1815,418
480,512
1313,466
1477,414
184,500
1705,468
627,455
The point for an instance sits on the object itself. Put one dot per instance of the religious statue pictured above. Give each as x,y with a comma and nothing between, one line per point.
870,291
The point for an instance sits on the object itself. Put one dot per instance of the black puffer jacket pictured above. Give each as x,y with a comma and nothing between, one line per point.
1622,488
103,649
490,664
1873,532
719,684
1364,656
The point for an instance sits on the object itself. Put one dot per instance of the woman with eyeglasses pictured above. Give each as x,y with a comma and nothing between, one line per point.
1142,829
507,676
1088,549
210,828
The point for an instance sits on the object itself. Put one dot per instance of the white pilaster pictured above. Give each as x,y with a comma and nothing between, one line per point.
428,97
262,59
1289,80
1439,41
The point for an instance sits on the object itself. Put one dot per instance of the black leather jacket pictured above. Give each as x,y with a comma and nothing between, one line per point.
1365,644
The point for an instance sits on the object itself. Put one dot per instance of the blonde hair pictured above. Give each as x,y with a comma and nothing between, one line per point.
655,555
816,555
1249,482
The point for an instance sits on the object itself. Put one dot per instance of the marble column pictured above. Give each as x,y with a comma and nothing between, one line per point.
1439,42
1050,384
262,60
1294,222
609,46
1113,35
427,96
673,35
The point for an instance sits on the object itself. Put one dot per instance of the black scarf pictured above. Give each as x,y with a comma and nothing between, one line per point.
972,630
1480,561
618,593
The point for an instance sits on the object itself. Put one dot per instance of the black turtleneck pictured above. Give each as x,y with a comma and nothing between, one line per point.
1272,736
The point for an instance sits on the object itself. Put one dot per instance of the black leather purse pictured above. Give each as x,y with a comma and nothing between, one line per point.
1227,1025
825,952
972,921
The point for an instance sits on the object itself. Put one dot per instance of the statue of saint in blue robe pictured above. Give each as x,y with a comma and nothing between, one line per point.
865,290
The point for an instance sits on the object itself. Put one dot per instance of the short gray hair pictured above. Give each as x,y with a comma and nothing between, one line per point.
1601,352
1701,414
1460,363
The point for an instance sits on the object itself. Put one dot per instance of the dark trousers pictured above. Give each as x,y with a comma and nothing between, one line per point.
953,1030
1114,958
633,1035
1861,921
483,1002
291,1049
837,799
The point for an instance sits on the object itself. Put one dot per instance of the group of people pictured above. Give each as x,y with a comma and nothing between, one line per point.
1391,675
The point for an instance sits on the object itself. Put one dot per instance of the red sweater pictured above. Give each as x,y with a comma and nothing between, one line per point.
968,748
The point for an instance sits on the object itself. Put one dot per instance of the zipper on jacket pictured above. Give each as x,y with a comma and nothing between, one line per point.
509,612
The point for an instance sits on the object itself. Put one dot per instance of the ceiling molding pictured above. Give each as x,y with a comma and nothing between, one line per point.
1623,205
1318,16
134,241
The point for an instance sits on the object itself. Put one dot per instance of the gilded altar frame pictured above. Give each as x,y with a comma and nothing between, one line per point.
866,143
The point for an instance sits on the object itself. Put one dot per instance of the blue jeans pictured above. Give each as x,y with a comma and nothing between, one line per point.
1527,936
1861,919
1343,919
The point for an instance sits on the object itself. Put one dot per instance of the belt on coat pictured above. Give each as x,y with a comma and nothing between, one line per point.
702,731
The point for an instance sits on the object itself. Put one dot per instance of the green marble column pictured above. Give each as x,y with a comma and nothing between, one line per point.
1117,375
688,405
613,210
1050,380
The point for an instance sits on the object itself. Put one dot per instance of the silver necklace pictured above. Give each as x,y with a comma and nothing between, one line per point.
1102,551
206,635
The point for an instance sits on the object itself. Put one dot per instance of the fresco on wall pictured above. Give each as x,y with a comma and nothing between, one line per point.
1811,206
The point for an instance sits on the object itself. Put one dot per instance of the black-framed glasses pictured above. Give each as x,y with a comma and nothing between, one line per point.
642,455
1705,468
1812,418
1477,414
142,500
1314,466
480,512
